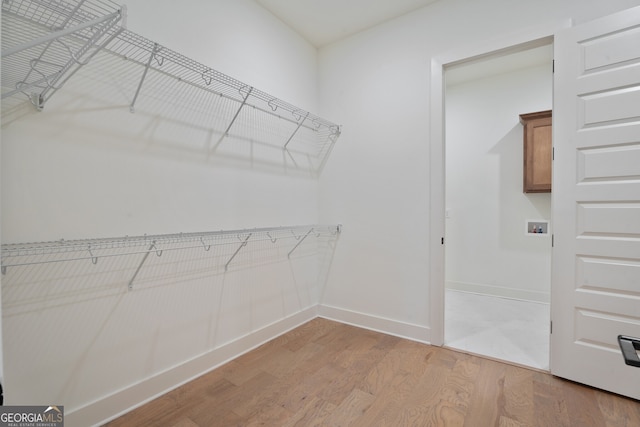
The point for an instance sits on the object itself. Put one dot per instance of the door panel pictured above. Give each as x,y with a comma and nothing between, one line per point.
607,274
612,49
608,218
596,201
612,106
608,163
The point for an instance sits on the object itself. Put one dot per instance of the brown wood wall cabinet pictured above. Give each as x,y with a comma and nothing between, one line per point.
537,151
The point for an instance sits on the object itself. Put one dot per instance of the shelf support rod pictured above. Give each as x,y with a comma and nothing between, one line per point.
46,78
296,131
291,157
146,255
56,35
299,242
242,245
144,75
25,87
226,132
91,43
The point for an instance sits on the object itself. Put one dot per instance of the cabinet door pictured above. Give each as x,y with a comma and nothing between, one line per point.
537,154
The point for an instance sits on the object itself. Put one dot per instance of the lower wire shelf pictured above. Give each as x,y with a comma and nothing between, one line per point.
92,250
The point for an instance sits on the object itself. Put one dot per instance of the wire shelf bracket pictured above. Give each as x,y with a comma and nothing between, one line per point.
235,117
144,75
146,255
299,242
242,245
297,129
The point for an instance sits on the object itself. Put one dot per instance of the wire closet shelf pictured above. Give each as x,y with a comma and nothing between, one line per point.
45,42
27,254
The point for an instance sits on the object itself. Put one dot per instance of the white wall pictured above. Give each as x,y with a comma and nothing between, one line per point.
487,250
238,38
85,167
377,183
110,177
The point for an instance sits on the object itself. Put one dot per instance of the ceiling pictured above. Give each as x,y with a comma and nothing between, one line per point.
322,22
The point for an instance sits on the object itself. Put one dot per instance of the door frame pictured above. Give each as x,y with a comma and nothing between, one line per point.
504,45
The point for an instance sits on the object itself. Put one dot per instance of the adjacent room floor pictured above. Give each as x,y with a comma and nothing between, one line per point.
506,329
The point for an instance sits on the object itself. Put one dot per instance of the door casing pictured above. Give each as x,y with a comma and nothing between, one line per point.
508,44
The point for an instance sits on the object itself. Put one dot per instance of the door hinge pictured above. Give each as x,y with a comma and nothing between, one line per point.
552,240
553,153
442,241
553,66
551,327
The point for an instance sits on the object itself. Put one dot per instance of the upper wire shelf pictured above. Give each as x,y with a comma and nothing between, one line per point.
45,42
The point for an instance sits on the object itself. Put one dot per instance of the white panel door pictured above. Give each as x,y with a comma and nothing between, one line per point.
595,292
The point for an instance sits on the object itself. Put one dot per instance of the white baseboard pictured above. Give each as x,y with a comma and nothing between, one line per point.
123,401
500,291
387,326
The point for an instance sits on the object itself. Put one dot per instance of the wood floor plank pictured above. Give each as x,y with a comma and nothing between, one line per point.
389,400
356,364
313,414
254,399
355,350
455,394
309,332
224,405
518,395
487,400
311,386
393,378
280,363
383,373
313,372
350,409
185,422
460,383
509,422
419,407
581,404
411,396
548,402
325,373
269,414
618,412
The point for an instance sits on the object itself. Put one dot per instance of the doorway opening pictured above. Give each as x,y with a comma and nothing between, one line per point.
497,276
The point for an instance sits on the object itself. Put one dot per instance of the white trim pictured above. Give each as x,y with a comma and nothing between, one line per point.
500,291
437,204
123,401
375,323
503,45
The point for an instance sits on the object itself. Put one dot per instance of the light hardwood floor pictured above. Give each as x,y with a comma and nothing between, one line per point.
325,373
